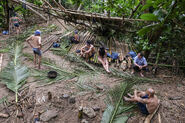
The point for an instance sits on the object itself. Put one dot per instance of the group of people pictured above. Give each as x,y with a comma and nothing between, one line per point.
147,101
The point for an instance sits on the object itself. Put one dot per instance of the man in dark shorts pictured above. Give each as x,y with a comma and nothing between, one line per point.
146,100
87,51
15,20
35,42
140,64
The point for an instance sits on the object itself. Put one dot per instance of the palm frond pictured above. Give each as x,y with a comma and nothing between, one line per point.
116,106
84,78
15,74
72,58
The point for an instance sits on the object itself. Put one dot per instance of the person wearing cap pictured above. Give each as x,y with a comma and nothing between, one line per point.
140,64
102,58
147,101
15,20
35,42
87,51
75,39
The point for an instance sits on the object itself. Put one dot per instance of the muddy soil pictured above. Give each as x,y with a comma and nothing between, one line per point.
171,111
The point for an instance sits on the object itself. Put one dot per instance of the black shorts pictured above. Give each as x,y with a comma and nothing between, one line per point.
136,68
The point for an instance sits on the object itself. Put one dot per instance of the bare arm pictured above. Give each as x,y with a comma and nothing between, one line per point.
89,49
28,41
139,99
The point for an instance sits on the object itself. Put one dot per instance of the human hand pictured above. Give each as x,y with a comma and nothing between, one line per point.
140,67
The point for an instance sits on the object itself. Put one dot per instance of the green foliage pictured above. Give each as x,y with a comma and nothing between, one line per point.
116,106
149,17
15,74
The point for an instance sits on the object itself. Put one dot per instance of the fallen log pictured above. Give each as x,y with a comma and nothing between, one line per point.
164,65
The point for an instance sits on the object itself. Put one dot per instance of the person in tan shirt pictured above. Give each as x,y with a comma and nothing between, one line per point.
35,42
147,101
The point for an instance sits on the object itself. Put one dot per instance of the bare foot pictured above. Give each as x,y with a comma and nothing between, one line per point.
141,75
130,95
126,98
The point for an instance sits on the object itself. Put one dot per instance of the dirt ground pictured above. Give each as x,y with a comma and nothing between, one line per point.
170,111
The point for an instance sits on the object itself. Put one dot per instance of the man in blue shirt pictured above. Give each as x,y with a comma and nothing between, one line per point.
140,64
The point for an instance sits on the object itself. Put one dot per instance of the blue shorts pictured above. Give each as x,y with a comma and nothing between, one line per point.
37,51
142,106
114,55
16,24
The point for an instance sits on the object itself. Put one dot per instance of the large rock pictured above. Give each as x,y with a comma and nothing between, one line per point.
89,112
46,116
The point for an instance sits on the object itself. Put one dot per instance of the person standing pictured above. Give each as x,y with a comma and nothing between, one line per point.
35,42
140,64
16,22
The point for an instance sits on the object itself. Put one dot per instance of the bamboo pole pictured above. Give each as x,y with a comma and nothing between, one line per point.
56,13
59,5
165,65
1,61
37,13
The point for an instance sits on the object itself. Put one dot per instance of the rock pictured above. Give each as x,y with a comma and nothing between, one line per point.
84,121
89,112
100,87
96,108
72,100
46,116
65,96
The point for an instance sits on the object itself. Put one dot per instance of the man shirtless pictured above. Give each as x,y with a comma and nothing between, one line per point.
35,42
15,20
146,101
87,51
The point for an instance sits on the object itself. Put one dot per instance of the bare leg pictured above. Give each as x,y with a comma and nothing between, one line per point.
133,71
35,58
39,61
129,99
141,74
86,57
103,63
106,65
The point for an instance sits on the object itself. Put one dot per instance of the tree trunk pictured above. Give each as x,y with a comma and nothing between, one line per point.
7,14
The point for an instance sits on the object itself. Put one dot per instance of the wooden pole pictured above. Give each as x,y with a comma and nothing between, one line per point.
1,62
37,13
56,13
